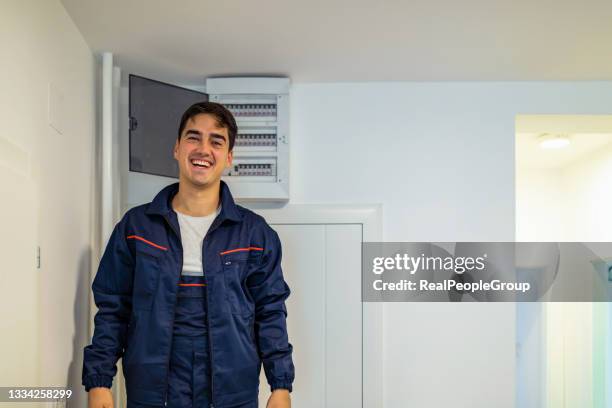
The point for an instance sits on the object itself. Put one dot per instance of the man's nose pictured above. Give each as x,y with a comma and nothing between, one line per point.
205,146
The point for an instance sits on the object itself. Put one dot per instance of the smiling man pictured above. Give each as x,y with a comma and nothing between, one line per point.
190,291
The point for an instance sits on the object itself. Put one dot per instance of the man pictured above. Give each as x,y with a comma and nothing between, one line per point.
190,291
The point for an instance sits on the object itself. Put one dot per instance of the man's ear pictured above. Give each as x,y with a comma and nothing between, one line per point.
175,150
230,157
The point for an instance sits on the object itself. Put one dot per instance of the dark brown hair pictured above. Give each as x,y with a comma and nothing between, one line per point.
223,116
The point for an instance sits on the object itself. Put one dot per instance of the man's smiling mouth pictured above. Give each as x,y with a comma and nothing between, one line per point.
201,163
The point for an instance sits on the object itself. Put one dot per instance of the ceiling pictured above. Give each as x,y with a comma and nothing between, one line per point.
332,40
529,154
588,135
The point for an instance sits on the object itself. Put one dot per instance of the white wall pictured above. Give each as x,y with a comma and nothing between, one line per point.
41,45
540,209
589,196
440,158
569,203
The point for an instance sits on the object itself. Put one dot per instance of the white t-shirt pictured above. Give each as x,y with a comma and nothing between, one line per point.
193,231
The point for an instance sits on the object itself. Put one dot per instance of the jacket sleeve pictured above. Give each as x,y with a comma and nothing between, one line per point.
269,291
112,291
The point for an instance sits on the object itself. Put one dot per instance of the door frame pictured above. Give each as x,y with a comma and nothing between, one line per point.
369,216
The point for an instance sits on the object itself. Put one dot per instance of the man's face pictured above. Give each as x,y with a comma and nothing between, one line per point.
202,151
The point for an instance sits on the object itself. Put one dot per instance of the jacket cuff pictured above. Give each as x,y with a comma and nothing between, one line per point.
96,380
286,385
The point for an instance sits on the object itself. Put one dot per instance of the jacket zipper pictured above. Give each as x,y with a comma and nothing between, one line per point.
173,312
212,376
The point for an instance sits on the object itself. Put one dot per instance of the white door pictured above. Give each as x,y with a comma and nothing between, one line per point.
322,266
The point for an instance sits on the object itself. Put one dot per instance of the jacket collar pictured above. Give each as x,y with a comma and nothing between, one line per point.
161,204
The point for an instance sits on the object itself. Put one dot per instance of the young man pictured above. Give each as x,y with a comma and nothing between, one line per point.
190,291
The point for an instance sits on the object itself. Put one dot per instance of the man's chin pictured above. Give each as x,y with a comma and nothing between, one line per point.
201,182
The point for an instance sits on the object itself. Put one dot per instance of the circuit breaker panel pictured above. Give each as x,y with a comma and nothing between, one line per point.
260,168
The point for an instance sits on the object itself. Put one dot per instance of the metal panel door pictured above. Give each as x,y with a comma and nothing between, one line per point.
321,264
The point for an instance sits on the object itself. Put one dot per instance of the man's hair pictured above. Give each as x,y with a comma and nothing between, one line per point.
222,115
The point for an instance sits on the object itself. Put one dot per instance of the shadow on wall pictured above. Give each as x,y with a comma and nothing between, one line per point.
80,337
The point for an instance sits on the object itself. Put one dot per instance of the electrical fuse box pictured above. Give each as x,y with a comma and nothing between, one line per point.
260,105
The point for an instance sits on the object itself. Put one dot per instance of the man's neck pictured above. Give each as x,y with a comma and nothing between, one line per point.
196,201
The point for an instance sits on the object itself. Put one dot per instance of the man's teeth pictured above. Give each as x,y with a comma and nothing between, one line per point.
202,163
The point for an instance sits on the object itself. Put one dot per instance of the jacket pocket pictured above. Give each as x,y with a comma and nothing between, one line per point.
235,270
146,278
145,383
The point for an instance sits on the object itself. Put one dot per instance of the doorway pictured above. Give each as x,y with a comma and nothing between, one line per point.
563,173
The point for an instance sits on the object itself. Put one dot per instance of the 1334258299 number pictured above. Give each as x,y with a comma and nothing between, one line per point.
34,393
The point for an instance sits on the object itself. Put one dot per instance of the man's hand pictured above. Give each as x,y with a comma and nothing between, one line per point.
100,397
279,399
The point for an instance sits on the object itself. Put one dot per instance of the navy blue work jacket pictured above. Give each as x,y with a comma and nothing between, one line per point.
135,291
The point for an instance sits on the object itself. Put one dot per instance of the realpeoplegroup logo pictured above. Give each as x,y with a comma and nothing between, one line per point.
486,271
